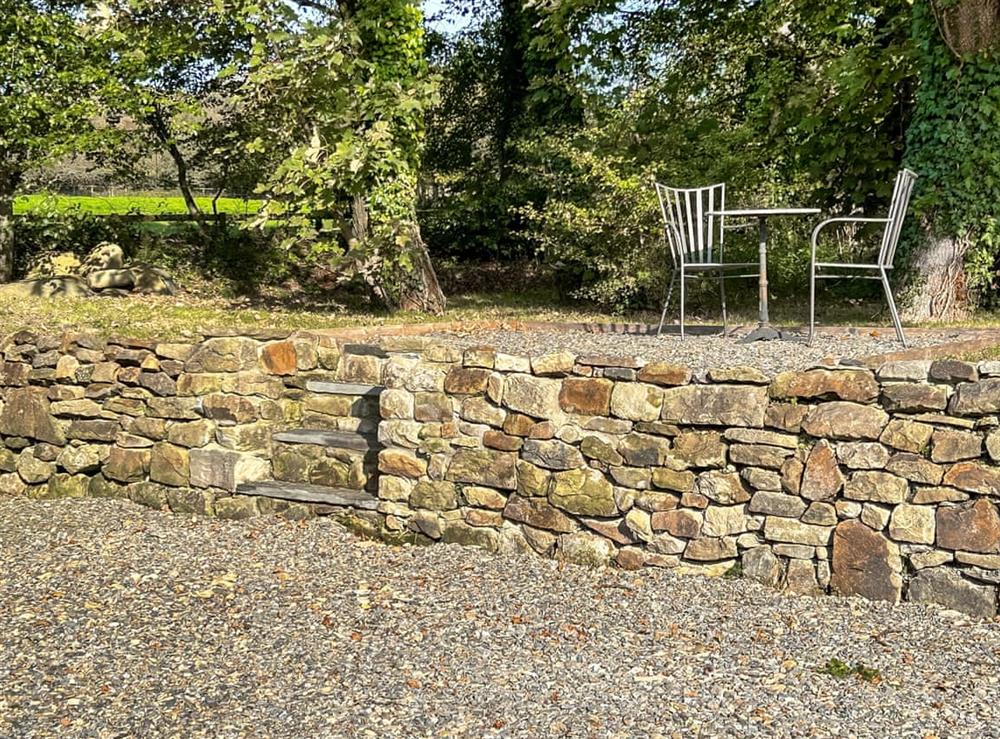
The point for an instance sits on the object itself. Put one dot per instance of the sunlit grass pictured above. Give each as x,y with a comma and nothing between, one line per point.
126,204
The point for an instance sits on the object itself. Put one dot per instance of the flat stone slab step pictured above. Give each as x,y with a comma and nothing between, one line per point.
343,388
337,439
305,493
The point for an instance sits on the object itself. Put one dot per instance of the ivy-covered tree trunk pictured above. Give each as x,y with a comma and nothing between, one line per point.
953,143
8,188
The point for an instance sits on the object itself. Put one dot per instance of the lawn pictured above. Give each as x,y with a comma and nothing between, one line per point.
126,204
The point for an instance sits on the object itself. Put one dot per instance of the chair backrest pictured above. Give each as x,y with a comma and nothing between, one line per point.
693,235
897,212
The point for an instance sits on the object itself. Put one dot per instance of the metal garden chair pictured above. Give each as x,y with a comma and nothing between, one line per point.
695,237
886,254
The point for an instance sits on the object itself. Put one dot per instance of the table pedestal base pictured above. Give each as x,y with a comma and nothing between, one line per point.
761,333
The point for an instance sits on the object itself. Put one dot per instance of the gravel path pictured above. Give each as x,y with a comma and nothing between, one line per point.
698,352
117,621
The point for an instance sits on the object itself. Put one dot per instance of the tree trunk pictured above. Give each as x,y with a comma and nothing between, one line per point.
940,293
8,186
421,290
158,124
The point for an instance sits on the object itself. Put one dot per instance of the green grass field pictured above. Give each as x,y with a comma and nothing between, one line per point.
126,204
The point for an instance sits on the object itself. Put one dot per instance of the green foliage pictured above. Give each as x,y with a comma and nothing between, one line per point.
597,222
125,204
954,144
789,103
841,670
347,101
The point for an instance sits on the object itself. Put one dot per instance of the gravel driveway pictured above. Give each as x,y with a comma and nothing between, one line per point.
701,351
117,621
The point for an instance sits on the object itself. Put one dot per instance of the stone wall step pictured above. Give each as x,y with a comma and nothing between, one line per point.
306,493
343,388
336,439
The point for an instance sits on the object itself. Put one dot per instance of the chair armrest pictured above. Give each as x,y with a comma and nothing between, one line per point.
845,219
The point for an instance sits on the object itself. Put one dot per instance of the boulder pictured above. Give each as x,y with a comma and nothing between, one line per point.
27,414
149,279
54,264
865,563
841,419
948,588
823,384
972,527
715,405
822,478
584,491
104,256
761,565
103,279
47,287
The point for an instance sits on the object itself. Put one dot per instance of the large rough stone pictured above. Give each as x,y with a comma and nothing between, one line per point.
587,395
32,469
975,477
777,504
915,468
912,397
77,459
127,465
715,405
278,358
952,446
644,450
761,565
585,492
976,398
822,384
710,550
435,495
539,513
556,363
724,520
223,354
912,523
841,419
664,373
27,414
946,587
862,455
584,549
466,380
971,527
698,449
169,464
594,447
778,528
725,488
402,464
759,455
907,436
865,563
877,487
105,255
636,401
681,522
668,479
552,454
953,370
487,467
215,467
786,416
533,396
822,478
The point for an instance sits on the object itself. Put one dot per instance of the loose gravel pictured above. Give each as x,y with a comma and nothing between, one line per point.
699,351
118,621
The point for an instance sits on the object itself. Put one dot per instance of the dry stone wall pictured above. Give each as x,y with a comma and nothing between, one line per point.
180,425
878,483
875,482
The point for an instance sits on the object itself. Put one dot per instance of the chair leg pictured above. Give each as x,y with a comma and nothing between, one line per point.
812,302
892,309
722,289
666,303
682,303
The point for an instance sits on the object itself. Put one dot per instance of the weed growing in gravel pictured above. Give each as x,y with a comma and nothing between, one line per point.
836,668
733,573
